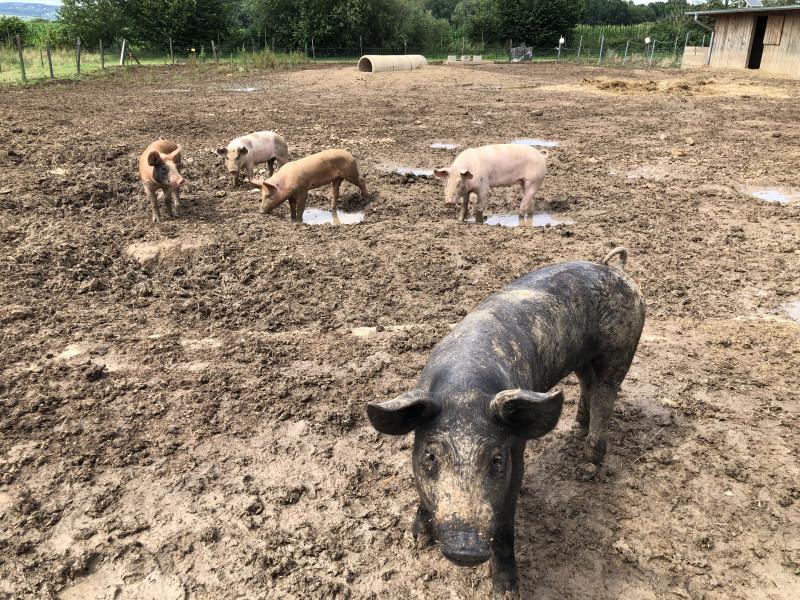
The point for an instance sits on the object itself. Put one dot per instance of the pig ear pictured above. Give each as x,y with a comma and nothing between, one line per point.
257,182
403,414
153,158
443,173
175,155
465,174
529,414
271,187
223,152
242,151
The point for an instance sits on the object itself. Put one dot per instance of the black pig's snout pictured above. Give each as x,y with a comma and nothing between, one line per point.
465,548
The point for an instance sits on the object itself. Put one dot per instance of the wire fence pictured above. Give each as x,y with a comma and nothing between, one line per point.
19,63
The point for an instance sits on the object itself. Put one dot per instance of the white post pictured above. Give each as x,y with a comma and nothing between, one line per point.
602,43
580,45
122,52
625,58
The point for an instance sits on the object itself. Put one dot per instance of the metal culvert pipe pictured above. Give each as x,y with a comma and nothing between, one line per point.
375,63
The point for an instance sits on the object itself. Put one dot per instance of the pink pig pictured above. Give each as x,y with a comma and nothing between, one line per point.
477,170
159,169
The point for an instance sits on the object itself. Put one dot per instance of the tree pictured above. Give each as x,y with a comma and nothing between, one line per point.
92,20
537,22
10,27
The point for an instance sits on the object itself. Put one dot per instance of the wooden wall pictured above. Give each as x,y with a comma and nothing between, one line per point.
733,37
782,58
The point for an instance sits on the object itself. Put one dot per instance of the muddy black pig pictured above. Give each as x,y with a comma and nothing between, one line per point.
485,391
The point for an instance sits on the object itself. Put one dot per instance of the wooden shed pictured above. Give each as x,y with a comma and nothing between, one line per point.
765,38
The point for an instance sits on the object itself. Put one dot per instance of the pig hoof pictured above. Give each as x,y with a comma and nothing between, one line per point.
595,450
580,428
504,585
587,471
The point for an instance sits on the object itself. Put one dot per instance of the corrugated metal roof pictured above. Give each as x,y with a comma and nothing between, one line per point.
749,10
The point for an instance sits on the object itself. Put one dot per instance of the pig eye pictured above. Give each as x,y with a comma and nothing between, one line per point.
498,463
430,461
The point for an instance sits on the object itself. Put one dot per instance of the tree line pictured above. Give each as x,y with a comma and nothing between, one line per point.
385,24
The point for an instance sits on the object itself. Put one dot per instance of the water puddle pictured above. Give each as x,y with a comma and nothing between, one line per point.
317,216
412,171
776,195
443,146
792,310
515,220
244,89
535,142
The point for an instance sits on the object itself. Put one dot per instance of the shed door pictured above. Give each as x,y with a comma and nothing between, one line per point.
757,47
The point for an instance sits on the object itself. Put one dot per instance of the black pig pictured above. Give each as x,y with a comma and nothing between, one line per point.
484,393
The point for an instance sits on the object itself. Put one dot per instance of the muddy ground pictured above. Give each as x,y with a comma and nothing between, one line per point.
182,405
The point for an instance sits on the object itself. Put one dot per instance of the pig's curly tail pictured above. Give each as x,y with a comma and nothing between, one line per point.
618,251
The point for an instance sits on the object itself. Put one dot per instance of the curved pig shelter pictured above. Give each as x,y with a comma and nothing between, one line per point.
372,63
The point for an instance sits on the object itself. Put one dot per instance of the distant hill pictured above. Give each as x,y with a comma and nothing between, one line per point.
29,11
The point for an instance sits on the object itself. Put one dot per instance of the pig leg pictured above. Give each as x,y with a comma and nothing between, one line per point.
301,205
586,378
464,213
504,565
335,185
480,205
151,196
422,530
176,200
292,208
271,166
250,169
528,203
601,408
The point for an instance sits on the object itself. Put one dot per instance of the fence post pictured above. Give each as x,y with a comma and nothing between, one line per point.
313,51
253,44
580,45
559,51
652,51
625,58
49,60
675,50
710,48
78,54
41,58
686,43
214,51
704,40
171,55
21,60
122,52
102,56
602,43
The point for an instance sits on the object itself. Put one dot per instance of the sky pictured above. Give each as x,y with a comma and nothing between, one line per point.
50,2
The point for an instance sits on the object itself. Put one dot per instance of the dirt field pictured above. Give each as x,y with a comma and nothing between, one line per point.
182,405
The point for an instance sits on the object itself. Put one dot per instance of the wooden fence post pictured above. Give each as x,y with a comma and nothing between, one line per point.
49,60
214,50
21,60
580,45
171,55
313,51
122,52
78,54
102,56
625,58
602,43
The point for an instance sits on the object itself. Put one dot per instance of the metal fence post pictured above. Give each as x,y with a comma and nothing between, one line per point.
580,45
625,58
21,60
602,43
49,60
102,56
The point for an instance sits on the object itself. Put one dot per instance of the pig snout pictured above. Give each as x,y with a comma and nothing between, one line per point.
464,547
179,182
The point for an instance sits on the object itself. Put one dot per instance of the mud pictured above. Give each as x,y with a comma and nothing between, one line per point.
193,426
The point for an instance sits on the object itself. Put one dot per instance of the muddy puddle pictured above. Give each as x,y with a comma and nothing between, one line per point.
443,146
242,89
409,171
537,220
775,195
539,143
318,216
792,310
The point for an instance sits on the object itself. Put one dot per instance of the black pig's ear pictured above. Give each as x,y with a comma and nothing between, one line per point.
529,414
402,414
